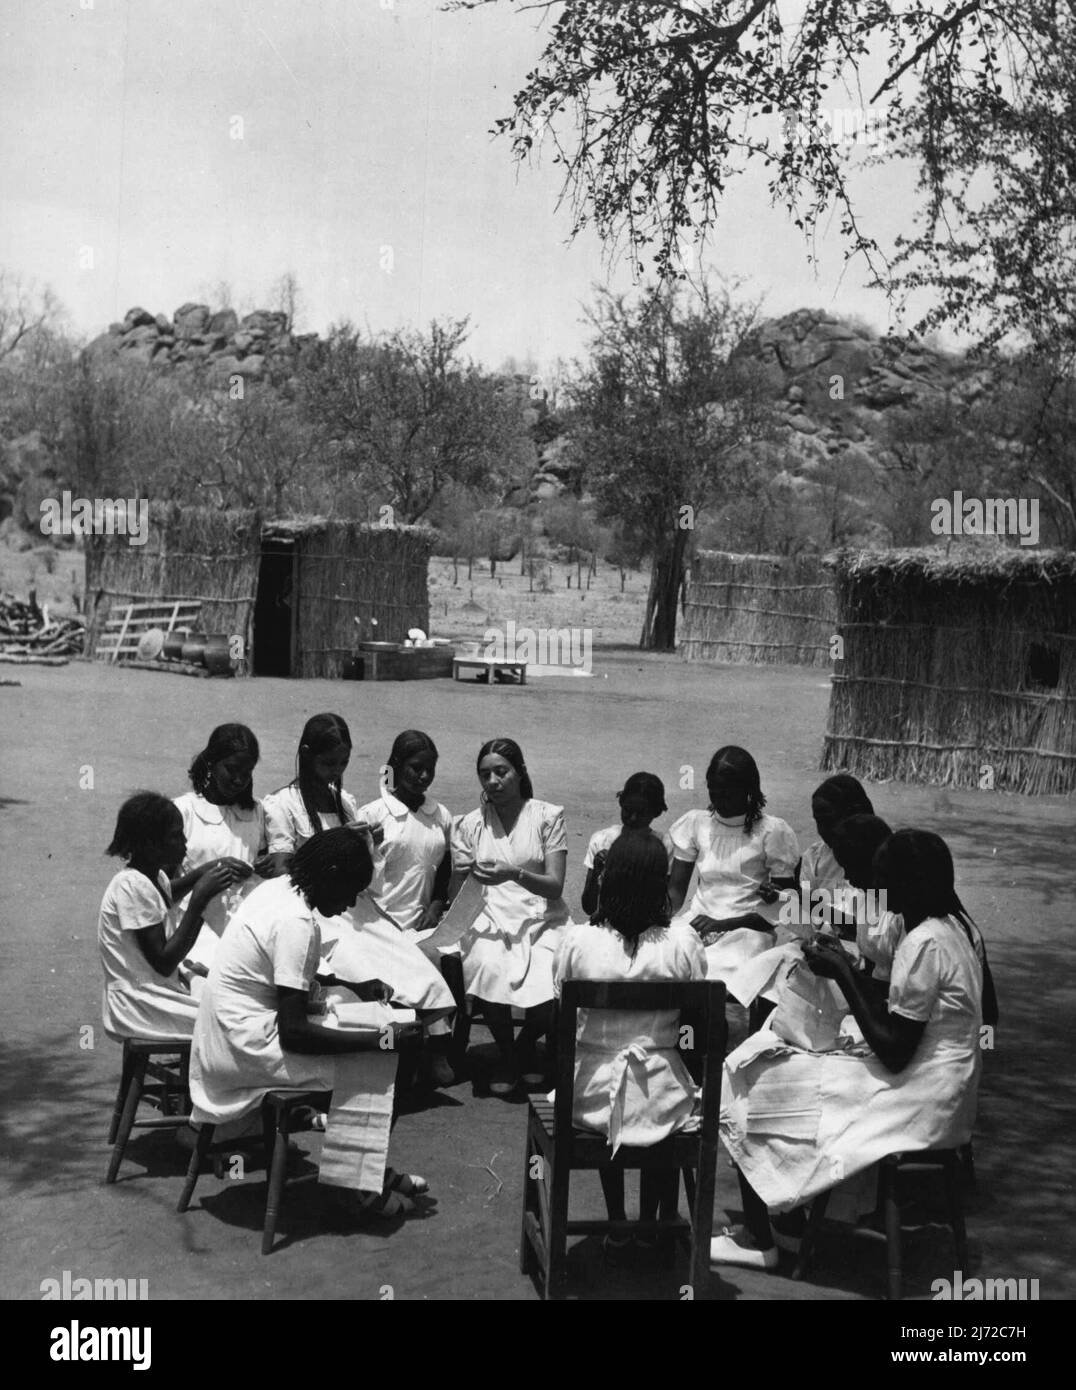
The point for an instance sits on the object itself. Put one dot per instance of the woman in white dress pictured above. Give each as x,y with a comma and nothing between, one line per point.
631,1083
366,942
744,857
412,869
142,937
833,801
223,823
515,849
798,1123
254,1033
642,800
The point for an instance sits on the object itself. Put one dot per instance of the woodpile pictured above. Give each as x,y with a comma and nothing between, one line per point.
28,635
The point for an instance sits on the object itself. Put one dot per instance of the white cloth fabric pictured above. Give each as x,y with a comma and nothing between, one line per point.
508,952
731,867
363,944
602,839
819,868
287,824
136,1001
631,1083
800,1123
414,844
219,832
878,942
273,942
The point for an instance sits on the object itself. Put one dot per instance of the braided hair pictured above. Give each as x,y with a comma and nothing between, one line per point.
743,771
337,853
225,741
321,734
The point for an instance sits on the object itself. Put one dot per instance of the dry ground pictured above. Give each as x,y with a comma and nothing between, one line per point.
582,737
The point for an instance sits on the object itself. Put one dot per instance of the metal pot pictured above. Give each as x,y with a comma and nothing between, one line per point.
193,649
218,656
173,646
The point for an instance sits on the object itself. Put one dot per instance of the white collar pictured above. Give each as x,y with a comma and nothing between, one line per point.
731,822
210,813
397,808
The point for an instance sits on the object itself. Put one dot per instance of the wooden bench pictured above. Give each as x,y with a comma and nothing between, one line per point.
490,665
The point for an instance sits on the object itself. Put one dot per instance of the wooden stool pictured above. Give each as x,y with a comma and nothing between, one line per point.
277,1108
169,1086
948,1162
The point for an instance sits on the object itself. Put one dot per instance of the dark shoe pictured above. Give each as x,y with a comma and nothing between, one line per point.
505,1080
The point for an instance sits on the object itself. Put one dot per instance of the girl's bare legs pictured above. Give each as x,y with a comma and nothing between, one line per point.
498,1019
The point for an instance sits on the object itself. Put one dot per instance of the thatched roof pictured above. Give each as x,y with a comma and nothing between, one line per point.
289,527
959,564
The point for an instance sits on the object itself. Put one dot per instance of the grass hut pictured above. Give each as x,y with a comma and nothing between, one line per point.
743,609
959,669
300,592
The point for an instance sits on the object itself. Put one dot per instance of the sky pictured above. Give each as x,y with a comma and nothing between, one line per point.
152,151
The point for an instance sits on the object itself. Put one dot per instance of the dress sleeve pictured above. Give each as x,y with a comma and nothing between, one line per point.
593,845
279,824
462,842
693,956
295,950
554,835
782,849
916,980
138,903
263,834
684,840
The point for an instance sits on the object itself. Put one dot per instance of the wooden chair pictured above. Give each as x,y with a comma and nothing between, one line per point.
277,1109
167,1064
555,1147
949,1162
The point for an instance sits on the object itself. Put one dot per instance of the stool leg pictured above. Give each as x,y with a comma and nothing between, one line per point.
194,1167
814,1222
277,1173
956,1209
121,1093
891,1207
127,1118
557,1252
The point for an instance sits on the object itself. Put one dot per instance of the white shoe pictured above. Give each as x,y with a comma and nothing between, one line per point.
726,1249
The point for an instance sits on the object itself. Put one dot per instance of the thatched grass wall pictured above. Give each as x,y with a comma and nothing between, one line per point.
743,609
191,553
958,669
348,570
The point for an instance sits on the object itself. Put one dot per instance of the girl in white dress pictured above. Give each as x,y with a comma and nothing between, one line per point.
798,1123
254,1033
223,823
631,1083
744,857
836,799
365,942
642,800
515,848
412,870
141,936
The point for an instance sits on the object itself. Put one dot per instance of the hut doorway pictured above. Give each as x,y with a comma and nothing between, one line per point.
274,609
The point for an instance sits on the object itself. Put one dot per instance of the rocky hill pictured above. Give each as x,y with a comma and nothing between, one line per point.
835,385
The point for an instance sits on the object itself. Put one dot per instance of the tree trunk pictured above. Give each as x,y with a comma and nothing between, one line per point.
666,586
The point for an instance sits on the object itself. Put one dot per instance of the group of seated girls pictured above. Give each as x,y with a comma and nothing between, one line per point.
233,915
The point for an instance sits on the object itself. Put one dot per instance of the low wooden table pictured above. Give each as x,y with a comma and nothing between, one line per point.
491,666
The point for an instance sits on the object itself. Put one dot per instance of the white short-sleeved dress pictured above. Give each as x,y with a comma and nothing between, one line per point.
273,941
631,1083
602,839
414,844
731,866
364,943
219,832
508,952
799,1123
137,1002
